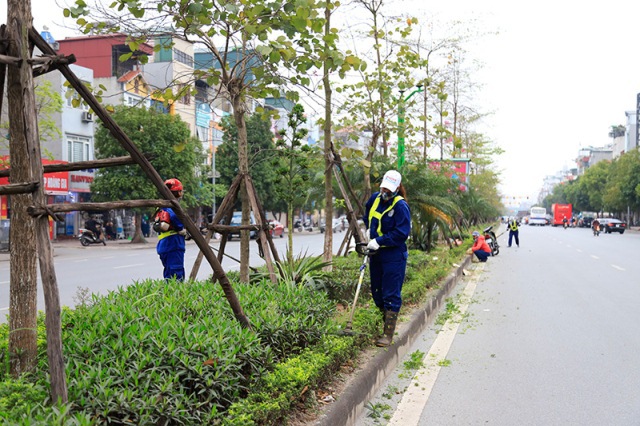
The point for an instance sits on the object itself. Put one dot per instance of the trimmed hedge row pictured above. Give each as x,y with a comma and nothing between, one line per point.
173,354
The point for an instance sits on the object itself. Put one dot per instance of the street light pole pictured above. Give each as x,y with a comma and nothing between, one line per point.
401,126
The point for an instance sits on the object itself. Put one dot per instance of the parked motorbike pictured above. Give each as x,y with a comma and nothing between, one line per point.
299,226
88,237
492,240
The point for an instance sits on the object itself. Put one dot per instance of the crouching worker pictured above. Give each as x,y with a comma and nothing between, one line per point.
480,247
171,236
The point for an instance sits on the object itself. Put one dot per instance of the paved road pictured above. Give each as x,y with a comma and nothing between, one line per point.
104,268
547,336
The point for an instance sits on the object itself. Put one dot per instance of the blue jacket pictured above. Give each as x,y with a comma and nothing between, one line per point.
174,241
396,224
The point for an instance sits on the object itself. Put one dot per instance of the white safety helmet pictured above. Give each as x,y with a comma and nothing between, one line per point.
391,180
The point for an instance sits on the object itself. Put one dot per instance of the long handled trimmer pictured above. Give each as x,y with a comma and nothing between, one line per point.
348,331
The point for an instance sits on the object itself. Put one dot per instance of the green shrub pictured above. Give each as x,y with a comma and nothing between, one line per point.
172,353
281,389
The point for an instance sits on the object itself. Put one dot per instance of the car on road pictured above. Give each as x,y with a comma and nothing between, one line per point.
585,222
276,228
236,220
610,225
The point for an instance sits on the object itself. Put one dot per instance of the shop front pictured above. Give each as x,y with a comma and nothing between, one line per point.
79,192
56,189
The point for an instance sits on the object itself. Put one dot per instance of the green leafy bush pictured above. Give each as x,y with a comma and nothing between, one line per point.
172,353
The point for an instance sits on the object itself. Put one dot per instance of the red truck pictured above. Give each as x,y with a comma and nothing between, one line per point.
560,211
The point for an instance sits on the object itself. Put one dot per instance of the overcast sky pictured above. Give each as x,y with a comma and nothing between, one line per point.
556,75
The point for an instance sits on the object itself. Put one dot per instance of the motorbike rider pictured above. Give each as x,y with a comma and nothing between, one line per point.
388,219
171,236
596,226
94,226
513,231
480,247
564,221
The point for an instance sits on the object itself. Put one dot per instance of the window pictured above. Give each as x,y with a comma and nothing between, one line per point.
78,148
71,94
182,57
185,91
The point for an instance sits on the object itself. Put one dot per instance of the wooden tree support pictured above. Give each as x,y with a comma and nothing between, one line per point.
19,188
110,205
82,165
151,172
265,243
352,217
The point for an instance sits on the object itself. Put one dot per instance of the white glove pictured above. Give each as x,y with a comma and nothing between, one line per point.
182,232
373,245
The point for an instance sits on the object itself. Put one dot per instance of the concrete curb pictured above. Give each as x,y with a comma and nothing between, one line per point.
351,402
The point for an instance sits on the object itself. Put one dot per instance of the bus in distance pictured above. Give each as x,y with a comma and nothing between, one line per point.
538,216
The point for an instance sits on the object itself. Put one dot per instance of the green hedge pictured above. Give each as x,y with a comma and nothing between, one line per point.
157,353
172,353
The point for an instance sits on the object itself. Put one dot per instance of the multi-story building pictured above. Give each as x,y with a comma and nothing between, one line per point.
133,83
631,136
172,67
73,142
589,156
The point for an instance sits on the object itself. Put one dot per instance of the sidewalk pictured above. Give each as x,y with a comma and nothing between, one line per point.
365,382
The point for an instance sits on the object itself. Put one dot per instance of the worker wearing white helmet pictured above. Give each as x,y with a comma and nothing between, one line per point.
388,218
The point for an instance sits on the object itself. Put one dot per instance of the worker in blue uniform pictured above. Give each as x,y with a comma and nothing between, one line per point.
388,219
171,236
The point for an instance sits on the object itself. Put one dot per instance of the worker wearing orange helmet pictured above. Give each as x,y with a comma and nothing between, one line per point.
171,236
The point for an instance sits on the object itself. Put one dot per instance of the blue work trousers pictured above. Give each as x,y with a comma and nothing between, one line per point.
173,262
387,270
513,234
482,255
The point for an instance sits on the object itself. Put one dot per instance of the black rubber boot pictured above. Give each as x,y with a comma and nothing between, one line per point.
390,320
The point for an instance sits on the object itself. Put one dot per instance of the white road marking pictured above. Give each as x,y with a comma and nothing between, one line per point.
617,267
594,256
417,394
579,251
128,266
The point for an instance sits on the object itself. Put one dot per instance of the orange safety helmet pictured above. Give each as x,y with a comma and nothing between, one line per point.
173,184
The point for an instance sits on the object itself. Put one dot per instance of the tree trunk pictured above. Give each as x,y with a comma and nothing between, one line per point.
243,167
137,237
290,234
27,245
23,279
328,155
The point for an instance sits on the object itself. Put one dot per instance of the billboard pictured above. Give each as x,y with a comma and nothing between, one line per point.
54,183
455,168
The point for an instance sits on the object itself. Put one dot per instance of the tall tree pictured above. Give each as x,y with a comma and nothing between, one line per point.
248,40
260,152
293,169
32,243
176,154
369,104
